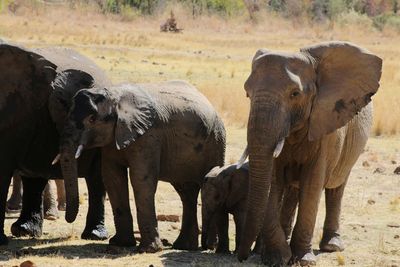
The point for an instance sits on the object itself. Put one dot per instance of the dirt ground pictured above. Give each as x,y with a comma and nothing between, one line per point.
370,223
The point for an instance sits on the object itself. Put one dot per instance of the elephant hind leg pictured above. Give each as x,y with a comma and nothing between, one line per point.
61,195
4,185
14,203
188,237
331,240
288,210
49,202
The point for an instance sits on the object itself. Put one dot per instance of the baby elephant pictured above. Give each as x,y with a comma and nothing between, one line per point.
224,191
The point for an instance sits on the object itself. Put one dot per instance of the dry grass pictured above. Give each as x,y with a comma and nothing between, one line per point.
213,54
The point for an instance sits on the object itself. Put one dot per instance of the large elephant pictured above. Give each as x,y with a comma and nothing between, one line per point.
309,121
166,131
36,88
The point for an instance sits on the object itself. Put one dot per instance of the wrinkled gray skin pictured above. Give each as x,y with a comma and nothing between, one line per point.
224,192
36,88
316,101
166,131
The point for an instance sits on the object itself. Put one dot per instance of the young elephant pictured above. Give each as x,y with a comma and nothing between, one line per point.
167,131
224,191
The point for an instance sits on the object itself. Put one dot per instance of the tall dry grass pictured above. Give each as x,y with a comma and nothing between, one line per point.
212,53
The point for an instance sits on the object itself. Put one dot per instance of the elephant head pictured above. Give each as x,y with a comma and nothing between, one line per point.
299,97
100,117
223,188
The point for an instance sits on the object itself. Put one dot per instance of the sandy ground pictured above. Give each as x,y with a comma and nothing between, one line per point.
370,223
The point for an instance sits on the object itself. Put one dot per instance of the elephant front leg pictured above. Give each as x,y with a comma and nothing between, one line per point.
223,235
189,235
116,182
275,250
95,228
5,181
30,221
311,187
144,187
331,240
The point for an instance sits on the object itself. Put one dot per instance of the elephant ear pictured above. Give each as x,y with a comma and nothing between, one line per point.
260,52
347,76
66,84
25,82
136,114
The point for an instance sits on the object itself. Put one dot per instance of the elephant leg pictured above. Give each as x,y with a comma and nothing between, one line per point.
238,218
223,232
144,183
288,210
61,194
30,221
188,237
49,202
309,197
14,203
5,180
95,228
331,240
275,250
116,182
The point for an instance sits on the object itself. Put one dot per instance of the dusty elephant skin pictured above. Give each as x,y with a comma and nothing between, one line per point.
309,121
36,87
167,131
224,191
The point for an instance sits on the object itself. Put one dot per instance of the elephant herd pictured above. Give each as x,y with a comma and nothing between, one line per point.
310,115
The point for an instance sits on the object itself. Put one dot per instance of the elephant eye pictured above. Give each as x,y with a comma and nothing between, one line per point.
295,93
92,119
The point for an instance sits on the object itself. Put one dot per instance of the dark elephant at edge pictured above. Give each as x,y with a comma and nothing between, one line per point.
36,88
309,120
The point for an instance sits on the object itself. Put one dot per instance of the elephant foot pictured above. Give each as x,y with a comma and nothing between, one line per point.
62,207
3,240
32,228
275,258
125,241
99,232
331,243
307,259
184,243
152,247
51,214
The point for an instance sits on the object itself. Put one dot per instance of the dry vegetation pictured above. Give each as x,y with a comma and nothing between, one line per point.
214,54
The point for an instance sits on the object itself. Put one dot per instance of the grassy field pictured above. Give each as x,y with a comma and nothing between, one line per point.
215,54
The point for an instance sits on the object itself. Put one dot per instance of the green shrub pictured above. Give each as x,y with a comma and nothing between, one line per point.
352,17
388,20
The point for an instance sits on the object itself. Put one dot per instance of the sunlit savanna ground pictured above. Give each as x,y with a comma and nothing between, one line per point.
215,56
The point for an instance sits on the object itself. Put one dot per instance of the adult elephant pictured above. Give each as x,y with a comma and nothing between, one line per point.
309,121
36,88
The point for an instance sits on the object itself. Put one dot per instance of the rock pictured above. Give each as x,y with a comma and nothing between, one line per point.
365,163
397,170
394,162
371,201
167,218
379,170
396,236
393,225
28,264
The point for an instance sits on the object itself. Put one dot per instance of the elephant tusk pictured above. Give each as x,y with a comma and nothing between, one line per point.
56,159
278,148
78,151
242,158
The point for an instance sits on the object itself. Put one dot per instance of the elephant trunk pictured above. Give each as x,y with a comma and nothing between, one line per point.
69,169
265,134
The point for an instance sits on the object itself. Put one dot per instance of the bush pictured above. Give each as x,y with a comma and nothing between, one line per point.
391,21
352,17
